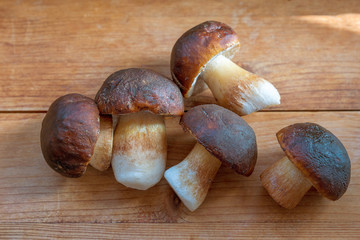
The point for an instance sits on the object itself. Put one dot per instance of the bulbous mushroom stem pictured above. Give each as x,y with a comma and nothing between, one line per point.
237,89
101,157
285,183
140,150
192,178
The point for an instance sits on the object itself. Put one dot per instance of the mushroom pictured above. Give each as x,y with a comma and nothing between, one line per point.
222,137
73,134
314,157
205,52
142,97
101,158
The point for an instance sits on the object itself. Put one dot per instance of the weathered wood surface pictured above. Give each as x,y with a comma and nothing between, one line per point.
31,192
309,49
245,230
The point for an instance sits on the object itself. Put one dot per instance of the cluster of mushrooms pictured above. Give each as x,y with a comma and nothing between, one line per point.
78,131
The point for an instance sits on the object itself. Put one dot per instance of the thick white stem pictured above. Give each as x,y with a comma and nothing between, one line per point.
237,89
140,150
192,178
285,183
101,157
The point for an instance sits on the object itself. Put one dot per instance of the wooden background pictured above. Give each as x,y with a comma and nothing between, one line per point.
310,50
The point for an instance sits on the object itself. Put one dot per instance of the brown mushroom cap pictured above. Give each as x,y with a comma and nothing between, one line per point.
196,47
320,155
224,134
69,132
135,89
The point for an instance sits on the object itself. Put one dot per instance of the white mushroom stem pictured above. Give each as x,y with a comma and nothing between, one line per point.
285,183
101,157
192,178
237,89
140,150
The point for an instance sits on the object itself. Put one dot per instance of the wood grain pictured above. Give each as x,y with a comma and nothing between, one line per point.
250,230
309,49
31,192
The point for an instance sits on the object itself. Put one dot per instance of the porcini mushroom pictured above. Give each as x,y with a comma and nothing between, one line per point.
101,158
73,134
222,137
142,97
314,157
205,51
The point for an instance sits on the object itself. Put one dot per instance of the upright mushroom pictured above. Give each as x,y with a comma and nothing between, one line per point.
222,137
73,134
314,157
142,97
205,51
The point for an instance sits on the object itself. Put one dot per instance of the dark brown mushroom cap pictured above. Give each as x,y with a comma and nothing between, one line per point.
224,134
135,89
196,47
69,132
320,155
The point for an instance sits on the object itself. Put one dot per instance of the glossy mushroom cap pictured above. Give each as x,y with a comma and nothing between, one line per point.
135,89
320,156
224,134
69,133
196,47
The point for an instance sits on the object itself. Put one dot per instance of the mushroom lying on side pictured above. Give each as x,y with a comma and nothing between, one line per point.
142,97
73,134
222,137
314,157
205,51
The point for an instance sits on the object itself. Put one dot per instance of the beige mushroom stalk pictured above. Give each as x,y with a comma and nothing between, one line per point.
205,52
222,137
72,136
140,150
314,157
192,178
101,159
141,97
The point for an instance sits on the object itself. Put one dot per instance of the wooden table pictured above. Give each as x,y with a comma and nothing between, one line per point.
310,50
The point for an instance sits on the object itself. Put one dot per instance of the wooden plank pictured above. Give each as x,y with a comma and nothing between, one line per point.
295,230
31,192
309,49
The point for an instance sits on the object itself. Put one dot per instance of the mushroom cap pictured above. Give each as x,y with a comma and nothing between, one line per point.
224,134
69,133
135,89
198,46
320,155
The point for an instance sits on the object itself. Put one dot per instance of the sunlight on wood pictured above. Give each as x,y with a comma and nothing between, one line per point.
349,21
